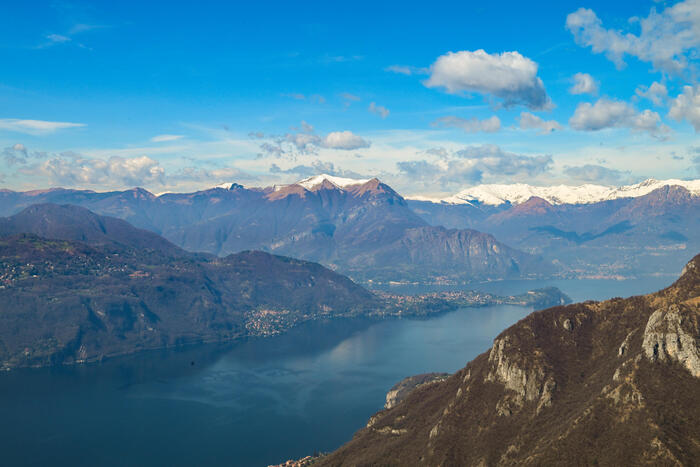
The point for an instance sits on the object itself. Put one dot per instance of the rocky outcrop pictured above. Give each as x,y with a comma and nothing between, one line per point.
404,387
673,334
594,383
526,378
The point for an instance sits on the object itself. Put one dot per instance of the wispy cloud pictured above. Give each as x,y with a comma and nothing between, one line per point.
470,125
378,110
317,98
165,138
528,121
35,127
407,70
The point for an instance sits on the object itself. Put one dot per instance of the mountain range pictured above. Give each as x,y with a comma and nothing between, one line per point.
595,383
517,193
365,229
360,228
617,238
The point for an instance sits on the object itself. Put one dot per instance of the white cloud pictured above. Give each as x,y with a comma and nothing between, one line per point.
509,76
470,125
665,39
656,93
686,106
35,127
473,164
378,110
164,138
529,121
77,170
584,84
305,142
345,140
58,38
606,113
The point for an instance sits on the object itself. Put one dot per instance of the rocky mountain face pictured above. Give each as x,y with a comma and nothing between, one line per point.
92,287
621,237
364,229
595,383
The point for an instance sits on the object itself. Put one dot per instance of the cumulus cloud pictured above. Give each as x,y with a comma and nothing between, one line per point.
607,113
508,76
686,106
165,138
345,140
35,127
85,171
665,39
72,169
656,93
474,164
378,110
529,121
595,174
18,155
583,84
306,142
470,125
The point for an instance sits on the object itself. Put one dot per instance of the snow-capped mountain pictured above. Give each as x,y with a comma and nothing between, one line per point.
496,195
340,182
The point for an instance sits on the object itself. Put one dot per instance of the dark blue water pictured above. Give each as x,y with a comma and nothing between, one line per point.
249,403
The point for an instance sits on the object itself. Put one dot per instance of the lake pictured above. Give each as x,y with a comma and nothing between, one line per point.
248,403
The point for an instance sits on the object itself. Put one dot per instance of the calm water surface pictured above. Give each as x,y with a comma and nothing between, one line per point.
249,403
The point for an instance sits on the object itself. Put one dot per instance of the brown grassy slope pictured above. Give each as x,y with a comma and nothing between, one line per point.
595,383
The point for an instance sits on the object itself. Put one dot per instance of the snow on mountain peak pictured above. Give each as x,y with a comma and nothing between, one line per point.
340,182
228,186
517,193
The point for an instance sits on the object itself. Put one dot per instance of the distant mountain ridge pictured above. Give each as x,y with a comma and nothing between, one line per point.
360,227
623,237
366,229
517,193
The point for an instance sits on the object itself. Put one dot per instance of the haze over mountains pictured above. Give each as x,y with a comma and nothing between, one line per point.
365,229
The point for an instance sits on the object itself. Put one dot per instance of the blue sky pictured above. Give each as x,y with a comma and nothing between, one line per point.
431,98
